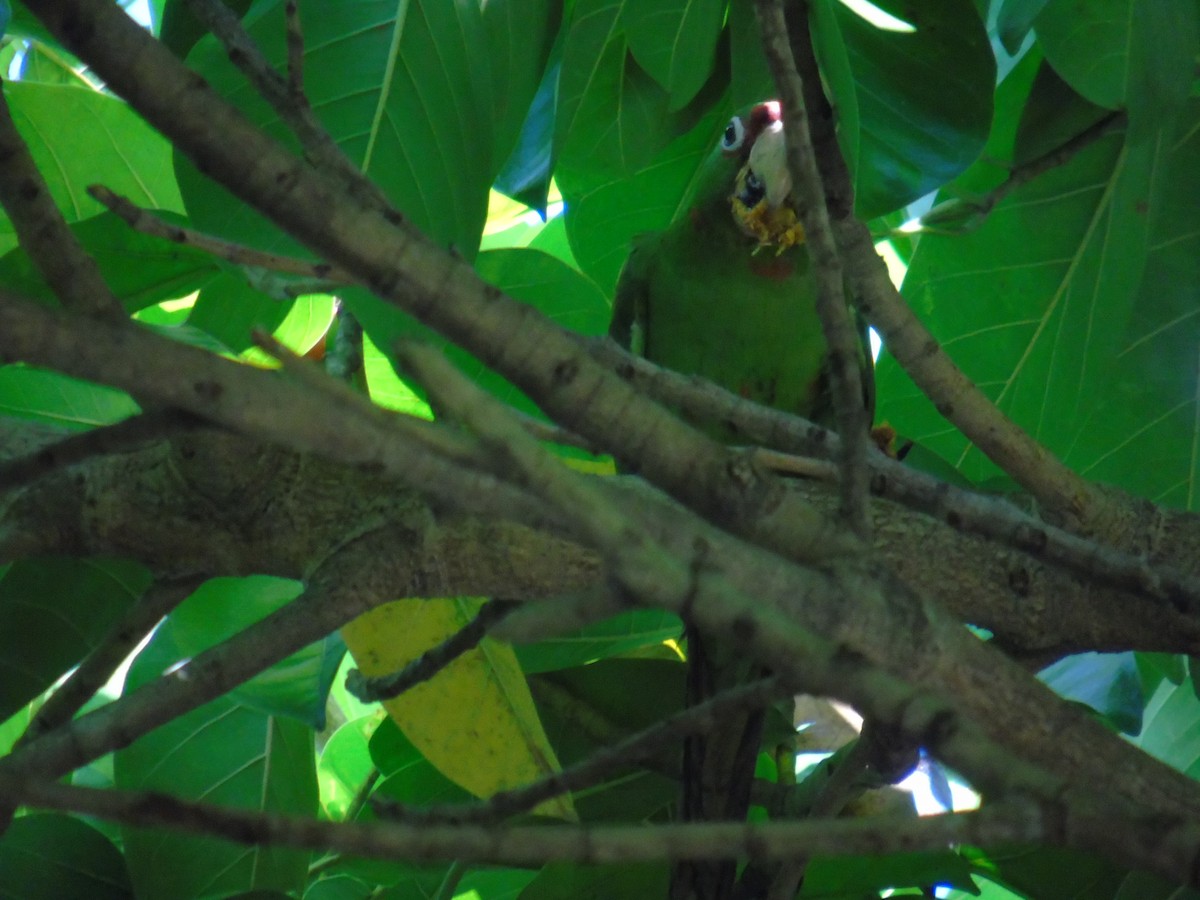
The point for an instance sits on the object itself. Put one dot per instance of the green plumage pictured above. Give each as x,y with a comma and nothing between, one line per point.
706,297
703,298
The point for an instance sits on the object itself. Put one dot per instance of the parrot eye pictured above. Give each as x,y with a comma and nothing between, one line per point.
735,134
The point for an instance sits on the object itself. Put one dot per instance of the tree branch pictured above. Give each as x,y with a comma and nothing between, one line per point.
147,222
535,845
43,233
845,349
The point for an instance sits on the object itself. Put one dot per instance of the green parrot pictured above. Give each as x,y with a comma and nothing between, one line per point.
728,292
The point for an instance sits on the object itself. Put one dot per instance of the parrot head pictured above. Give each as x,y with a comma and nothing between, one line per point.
761,199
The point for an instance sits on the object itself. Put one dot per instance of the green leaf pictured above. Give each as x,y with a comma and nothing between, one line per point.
1053,278
79,137
139,269
403,89
750,79
48,856
559,881
520,36
1140,430
221,607
1171,729
1014,21
408,777
612,637
1123,54
1049,873
592,706
52,612
604,214
853,876
346,766
675,42
338,887
180,30
224,753
1107,682
44,396
229,309
914,96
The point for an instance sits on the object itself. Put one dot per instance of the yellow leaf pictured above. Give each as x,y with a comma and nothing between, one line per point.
475,720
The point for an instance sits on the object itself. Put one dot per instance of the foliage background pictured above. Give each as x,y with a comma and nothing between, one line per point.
1072,302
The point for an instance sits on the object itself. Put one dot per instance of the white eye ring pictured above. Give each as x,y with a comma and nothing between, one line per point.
733,136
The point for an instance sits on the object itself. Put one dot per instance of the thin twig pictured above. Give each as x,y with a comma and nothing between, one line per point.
429,663
295,53
125,435
602,763
845,345
344,360
942,217
148,223
114,648
318,146
1010,822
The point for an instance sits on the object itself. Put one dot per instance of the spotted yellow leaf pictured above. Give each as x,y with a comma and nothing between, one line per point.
475,720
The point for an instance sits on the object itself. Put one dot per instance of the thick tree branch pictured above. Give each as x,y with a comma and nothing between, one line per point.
1162,568
385,252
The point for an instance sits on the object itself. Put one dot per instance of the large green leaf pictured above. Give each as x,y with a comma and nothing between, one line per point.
52,612
624,881
346,767
605,213
48,856
296,686
855,876
1107,682
913,95
675,42
225,753
405,90
1123,54
520,36
621,634
610,111
45,396
80,137
1041,304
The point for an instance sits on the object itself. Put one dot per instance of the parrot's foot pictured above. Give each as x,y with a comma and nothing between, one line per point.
884,437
